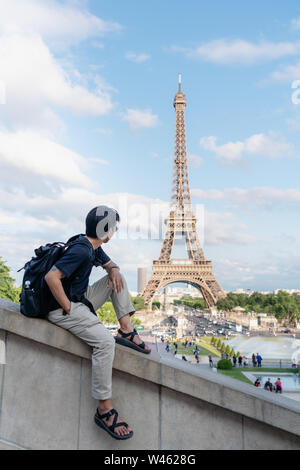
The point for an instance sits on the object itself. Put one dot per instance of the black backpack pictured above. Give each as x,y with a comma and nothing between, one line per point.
35,294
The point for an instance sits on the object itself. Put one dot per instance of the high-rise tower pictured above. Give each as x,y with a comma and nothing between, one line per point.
194,270
142,279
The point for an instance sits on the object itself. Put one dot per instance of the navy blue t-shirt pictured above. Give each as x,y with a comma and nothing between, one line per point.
76,264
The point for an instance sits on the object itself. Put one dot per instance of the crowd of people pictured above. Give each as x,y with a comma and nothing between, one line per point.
276,387
244,361
237,360
186,344
241,361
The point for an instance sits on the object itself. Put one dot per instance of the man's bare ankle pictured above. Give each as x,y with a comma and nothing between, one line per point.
127,329
105,406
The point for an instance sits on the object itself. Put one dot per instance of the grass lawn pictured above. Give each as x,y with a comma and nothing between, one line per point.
236,373
204,349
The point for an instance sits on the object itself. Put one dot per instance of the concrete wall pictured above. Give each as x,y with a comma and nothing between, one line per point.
45,400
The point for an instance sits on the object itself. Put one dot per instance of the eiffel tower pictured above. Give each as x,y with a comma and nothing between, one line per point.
195,270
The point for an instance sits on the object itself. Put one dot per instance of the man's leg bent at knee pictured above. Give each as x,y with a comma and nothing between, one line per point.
86,326
99,292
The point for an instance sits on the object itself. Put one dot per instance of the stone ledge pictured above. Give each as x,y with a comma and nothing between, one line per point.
7,445
280,412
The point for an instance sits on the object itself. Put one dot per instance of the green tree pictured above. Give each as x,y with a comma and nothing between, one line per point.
138,303
107,315
285,307
8,290
155,305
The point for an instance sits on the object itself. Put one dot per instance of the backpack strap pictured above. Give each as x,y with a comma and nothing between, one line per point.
83,241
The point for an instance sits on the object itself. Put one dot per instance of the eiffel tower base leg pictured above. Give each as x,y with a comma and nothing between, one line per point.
199,276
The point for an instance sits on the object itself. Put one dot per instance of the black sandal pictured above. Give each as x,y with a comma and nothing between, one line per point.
110,429
125,341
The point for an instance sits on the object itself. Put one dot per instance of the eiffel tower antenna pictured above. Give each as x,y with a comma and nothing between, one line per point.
195,270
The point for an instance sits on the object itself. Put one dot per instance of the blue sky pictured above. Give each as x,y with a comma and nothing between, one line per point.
88,118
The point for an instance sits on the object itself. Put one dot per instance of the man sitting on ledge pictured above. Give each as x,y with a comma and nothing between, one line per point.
73,305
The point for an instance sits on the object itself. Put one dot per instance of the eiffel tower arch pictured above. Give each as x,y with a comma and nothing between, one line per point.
194,270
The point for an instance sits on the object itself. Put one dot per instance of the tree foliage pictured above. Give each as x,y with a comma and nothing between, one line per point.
224,364
107,315
283,306
138,303
197,303
155,305
8,290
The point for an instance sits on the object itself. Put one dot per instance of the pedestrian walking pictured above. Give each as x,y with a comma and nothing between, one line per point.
240,360
234,360
259,360
254,361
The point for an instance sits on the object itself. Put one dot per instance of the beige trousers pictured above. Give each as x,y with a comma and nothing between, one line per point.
84,324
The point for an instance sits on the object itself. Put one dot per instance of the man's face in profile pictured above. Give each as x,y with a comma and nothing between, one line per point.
110,234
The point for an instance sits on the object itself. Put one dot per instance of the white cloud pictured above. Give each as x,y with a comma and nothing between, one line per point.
195,161
222,228
25,155
293,124
139,119
35,82
268,272
137,58
100,161
261,196
271,145
104,131
238,51
62,23
295,23
97,45
287,73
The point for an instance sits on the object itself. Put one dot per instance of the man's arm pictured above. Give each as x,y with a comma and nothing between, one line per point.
115,277
53,279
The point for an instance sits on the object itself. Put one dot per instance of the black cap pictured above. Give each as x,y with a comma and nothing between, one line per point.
99,220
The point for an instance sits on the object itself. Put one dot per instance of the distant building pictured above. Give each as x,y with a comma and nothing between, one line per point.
288,291
238,309
142,279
